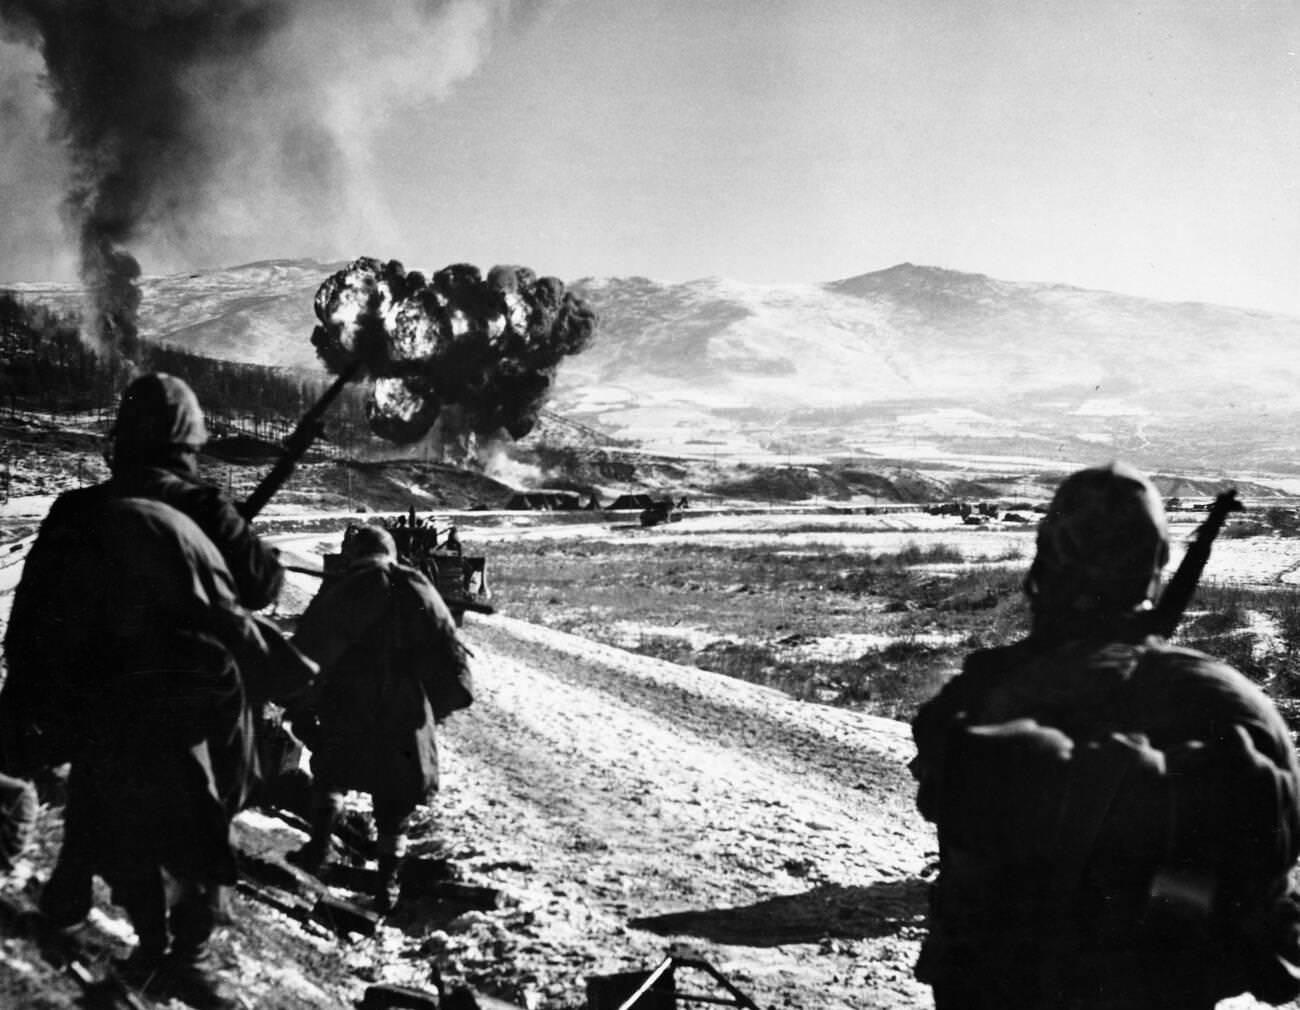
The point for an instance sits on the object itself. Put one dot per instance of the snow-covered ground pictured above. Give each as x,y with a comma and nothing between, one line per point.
623,804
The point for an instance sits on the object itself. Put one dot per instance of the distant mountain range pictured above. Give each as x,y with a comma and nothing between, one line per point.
912,362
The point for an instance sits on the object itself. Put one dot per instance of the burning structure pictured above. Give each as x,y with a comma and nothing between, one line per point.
476,353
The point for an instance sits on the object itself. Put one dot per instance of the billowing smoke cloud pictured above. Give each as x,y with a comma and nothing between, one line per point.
117,72
478,353
31,168
198,127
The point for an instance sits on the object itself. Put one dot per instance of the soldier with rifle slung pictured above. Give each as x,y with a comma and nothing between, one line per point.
133,657
1117,817
152,453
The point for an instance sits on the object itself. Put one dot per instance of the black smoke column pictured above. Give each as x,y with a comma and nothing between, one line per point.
122,76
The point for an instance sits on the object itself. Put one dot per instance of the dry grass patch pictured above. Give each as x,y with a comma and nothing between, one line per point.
750,612
744,612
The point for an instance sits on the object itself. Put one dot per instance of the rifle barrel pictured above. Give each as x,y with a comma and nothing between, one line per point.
1182,585
296,445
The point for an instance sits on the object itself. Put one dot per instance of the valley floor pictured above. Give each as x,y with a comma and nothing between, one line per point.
624,807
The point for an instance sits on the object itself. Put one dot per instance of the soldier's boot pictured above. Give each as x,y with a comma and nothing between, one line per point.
191,966
192,977
142,897
193,918
388,888
142,968
313,856
67,897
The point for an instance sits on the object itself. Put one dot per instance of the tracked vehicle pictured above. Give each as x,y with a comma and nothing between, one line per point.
460,578
663,510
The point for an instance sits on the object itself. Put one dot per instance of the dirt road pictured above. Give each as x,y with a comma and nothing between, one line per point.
623,805
628,804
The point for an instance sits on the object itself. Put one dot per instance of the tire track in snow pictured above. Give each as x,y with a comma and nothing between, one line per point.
843,766
600,787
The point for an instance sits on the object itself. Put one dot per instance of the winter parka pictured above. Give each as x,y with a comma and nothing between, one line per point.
125,647
381,648
1117,820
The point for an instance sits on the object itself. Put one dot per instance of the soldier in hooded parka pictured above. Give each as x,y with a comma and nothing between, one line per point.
152,451
131,657
1117,817
392,668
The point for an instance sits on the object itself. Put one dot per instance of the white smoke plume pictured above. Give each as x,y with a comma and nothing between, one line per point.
499,466
33,172
186,132
302,119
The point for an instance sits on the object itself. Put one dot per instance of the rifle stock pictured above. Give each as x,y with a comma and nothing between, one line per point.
296,446
1181,587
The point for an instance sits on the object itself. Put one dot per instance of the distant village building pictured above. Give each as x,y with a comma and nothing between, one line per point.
632,502
544,501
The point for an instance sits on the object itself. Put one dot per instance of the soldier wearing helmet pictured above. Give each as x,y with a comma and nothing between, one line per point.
1117,817
391,669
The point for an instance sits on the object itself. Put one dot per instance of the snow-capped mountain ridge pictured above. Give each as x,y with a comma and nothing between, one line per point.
944,359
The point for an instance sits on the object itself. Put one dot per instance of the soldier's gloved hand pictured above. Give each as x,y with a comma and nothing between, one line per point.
1122,780
304,724
1187,757
1003,787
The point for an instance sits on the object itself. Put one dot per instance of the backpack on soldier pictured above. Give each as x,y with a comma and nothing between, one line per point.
428,645
1114,844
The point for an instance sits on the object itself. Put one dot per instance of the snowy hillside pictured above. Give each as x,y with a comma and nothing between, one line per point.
911,361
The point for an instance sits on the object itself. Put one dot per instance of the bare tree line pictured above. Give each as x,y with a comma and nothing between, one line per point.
46,367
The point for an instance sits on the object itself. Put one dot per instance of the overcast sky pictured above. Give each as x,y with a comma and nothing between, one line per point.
1149,148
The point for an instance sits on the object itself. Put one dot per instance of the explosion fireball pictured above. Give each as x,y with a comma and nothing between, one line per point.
476,352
